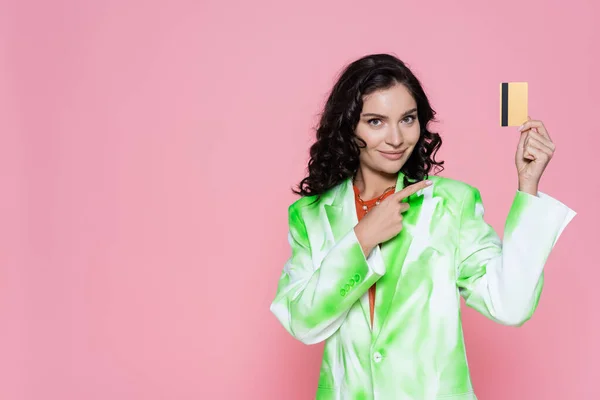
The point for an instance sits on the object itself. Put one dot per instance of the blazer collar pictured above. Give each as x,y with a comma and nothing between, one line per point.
343,193
341,209
341,216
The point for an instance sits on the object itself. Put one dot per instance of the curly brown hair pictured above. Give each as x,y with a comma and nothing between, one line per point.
334,157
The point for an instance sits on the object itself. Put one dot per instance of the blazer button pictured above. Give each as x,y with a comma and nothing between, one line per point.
342,292
356,278
377,357
351,282
346,287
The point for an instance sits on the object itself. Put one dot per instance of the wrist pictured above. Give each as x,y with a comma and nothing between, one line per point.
532,189
365,244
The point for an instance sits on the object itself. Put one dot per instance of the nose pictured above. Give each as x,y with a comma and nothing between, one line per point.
394,137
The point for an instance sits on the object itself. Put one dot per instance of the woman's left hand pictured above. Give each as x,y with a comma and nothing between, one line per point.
534,152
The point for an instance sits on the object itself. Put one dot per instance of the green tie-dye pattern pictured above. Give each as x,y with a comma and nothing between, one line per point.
519,206
416,348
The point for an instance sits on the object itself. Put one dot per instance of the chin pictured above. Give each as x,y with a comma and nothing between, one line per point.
391,168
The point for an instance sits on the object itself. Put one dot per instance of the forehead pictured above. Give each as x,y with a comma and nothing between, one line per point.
392,101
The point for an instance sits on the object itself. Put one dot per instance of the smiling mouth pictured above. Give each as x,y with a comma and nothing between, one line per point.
392,155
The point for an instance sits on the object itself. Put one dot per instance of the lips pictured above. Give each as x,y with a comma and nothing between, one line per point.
392,155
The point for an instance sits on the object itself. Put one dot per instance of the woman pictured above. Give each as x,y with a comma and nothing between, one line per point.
382,251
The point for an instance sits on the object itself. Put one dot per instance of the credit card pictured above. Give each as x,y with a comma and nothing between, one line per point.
513,103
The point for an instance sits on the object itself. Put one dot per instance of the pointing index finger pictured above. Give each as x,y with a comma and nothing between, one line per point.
412,189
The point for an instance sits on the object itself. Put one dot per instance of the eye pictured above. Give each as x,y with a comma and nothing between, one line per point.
409,119
374,122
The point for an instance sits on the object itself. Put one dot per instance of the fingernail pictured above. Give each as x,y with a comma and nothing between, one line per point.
521,128
428,182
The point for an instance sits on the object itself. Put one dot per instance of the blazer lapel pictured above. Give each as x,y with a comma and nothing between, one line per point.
397,250
341,218
339,214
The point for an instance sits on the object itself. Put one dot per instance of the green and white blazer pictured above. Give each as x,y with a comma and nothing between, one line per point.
415,349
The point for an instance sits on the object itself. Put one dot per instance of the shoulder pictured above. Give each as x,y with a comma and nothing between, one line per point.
303,208
303,202
306,203
453,190
450,184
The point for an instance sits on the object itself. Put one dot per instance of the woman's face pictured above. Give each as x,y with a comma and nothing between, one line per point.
389,126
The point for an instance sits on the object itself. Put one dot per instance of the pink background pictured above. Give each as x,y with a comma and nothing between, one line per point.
148,150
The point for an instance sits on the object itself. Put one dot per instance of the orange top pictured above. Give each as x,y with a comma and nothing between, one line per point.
361,212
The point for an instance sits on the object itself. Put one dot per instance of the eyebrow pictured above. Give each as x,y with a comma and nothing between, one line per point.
384,117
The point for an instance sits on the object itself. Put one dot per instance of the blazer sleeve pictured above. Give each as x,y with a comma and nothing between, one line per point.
312,300
503,279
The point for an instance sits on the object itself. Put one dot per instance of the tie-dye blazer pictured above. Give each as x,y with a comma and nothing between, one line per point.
415,349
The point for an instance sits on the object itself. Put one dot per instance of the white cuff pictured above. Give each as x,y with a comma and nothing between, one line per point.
569,214
375,261
555,210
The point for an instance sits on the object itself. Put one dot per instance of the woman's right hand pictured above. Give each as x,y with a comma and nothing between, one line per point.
384,221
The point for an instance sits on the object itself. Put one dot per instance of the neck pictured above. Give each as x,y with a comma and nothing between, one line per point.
372,184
